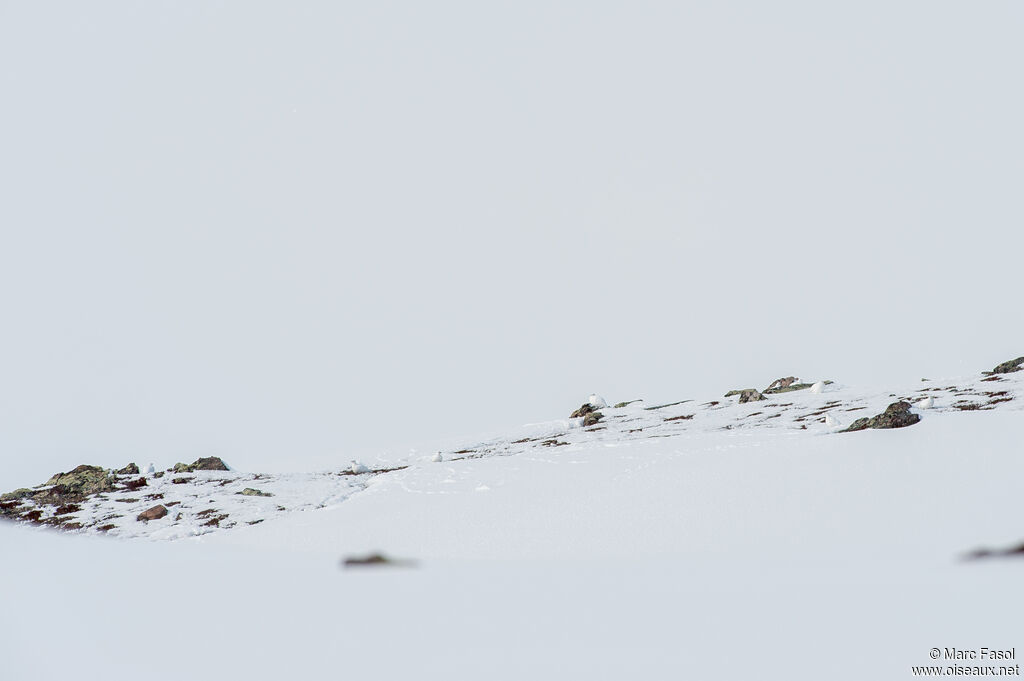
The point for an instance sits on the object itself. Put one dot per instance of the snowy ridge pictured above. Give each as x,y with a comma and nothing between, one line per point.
203,502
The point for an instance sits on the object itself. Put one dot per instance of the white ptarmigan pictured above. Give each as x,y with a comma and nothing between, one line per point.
596,401
832,421
926,403
437,458
148,470
358,467
818,387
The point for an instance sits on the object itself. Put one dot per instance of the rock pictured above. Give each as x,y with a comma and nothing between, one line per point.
75,485
785,385
1010,366
180,468
592,418
738,392
781,383
584,409
750,395
130,469
375,560
208,463
135,484
620,405
250,492
158,474
896,415
158,511
17,494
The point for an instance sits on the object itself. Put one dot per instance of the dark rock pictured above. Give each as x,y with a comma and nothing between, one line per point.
896,415
158,511
180,468
250,492
67,508
787,385
582,411
1010,366
592,418
208,463
158,474
130,469
620,405
738,392
135,484
180,481
750,395
375,560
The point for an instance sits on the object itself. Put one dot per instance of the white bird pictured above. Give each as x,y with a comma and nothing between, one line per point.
832,421
358,467
148,470
596,401
926,403
437,458
818,387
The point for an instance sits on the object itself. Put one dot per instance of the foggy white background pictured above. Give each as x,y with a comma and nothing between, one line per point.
289,234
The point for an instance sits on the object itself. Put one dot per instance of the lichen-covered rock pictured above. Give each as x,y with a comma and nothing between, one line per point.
181,468
250,492
785,385
781,383
751,395
208,463
130,469
738,392
155,513
1010,366
17,494
592,418
80,482
582,412
896,415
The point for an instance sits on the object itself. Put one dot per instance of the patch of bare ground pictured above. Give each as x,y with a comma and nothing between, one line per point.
682,417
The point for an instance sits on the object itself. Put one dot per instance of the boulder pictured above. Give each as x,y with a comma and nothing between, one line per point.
250,492
896,415
158,511
130,469
785,385
77,484
585,409
592,418
1010,366
208,463
180,468
750,395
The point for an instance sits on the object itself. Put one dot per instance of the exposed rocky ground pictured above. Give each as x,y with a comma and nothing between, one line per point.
207,496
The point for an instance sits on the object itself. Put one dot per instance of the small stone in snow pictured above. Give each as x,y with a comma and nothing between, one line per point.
158,511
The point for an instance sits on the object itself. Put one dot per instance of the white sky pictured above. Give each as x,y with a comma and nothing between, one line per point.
294,233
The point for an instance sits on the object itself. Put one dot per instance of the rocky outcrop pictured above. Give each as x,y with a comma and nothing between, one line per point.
130,469
207,463
750,395
785,385
250,492
592,418
896,415
1009,367
155,513
585,409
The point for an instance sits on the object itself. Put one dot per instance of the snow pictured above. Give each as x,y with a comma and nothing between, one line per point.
730,544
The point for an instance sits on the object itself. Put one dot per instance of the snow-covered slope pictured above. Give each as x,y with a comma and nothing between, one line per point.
705,539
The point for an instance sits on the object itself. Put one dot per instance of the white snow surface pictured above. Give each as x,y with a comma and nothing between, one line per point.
699,540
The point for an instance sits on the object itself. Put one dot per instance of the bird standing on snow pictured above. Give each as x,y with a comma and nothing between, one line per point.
596,401
926,403
437,458
147,470
832,421
358,467
818,387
